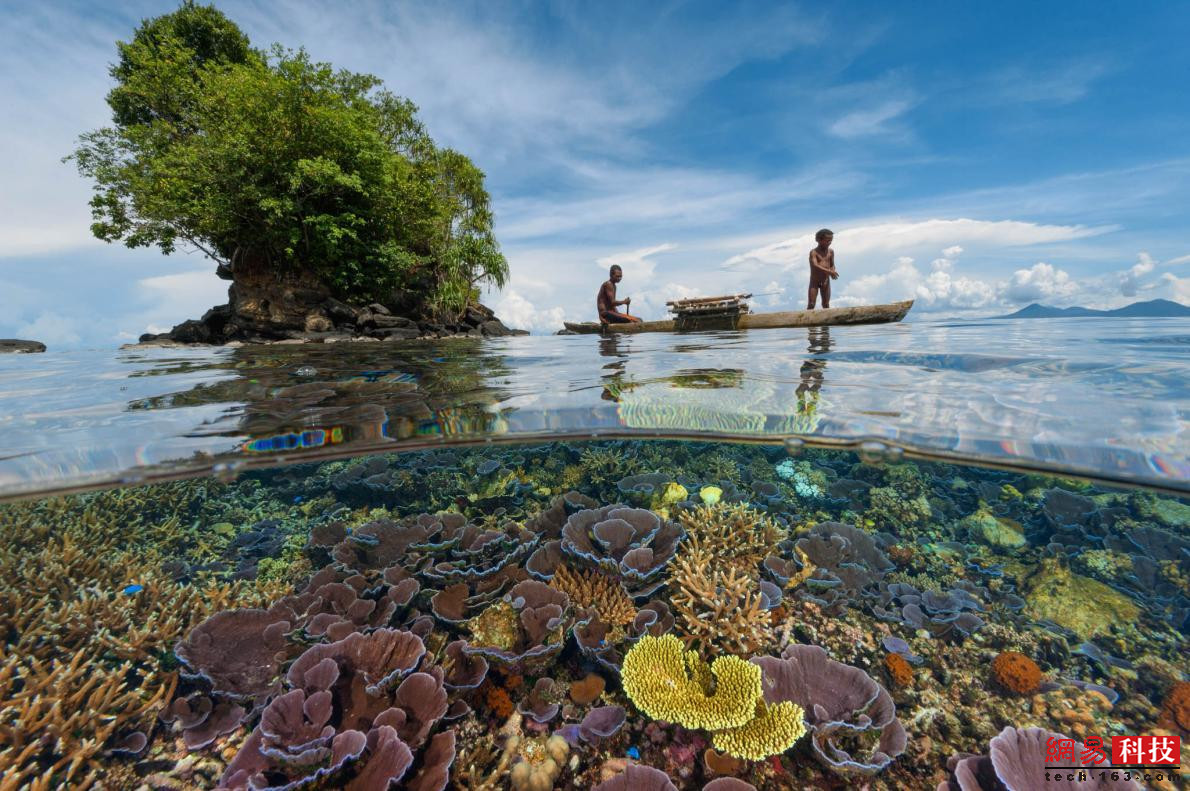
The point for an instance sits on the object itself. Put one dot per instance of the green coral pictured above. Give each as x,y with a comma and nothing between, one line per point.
889,505
669,683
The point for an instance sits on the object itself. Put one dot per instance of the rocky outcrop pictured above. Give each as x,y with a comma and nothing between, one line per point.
297,312
15,346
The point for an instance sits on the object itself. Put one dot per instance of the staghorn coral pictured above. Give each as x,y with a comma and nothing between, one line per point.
735,536
86,614
716,606
603,465
593,589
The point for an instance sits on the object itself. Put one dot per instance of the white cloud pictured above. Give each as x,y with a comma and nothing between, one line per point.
1038,283
518,312
1130,281
52,329
869,121
641,261
1182,259
170,299
953,252
909,236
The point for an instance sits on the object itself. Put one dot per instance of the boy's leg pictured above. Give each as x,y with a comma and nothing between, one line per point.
826,293
812,297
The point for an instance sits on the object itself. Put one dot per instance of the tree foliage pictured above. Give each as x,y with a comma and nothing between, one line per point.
270,159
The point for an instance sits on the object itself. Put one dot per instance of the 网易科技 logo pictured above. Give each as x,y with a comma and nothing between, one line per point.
1141,758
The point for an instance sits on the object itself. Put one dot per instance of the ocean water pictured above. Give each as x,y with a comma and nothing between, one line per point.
825,558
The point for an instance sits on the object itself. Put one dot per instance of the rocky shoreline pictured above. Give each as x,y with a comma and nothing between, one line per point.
332,321
17,346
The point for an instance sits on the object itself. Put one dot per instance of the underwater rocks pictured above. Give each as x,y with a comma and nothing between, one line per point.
1082,605
995,531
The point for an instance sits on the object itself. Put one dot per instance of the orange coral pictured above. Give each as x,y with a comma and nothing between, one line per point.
1016,672
721,763
899,670
499,702
1175,709
588,689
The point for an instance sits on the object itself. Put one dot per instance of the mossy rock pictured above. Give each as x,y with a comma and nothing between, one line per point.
1085,606
995,531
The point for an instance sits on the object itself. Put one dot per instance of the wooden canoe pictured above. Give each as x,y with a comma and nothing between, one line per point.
861,314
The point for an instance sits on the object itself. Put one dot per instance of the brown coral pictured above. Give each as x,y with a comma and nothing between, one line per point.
900,672
735,536
588,689
592,589
717,607
1016,672
498,701
1175,709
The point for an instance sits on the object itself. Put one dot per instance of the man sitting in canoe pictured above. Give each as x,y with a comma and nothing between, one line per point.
606,303
822,269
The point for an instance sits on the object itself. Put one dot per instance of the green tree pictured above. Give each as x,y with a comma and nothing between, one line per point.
270,160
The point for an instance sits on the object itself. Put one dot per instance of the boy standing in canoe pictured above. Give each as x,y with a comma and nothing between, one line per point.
822,269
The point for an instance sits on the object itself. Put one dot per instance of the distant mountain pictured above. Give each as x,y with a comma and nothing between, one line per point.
1154,308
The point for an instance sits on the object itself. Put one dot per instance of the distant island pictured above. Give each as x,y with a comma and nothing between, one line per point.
1154,308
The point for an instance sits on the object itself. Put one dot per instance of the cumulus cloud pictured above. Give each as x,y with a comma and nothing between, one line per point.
908,236
1130,281
518,312
943,289
172,298
1039,282
52,329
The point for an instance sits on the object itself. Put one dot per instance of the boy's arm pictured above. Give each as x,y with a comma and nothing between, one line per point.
816,262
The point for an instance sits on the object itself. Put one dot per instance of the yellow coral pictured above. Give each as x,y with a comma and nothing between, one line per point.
668,683
710,494
773,730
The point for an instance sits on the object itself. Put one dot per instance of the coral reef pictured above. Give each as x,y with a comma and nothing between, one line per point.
350,622
1018,759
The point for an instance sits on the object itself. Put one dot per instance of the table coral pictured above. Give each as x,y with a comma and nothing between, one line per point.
773,730
669,683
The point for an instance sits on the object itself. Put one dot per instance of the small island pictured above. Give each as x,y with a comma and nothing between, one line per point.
315,191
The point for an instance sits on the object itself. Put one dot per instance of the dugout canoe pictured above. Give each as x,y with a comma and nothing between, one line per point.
861,314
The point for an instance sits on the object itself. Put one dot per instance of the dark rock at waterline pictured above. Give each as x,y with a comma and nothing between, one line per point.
16,346
326,321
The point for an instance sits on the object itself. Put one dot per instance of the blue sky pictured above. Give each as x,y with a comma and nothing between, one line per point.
976,157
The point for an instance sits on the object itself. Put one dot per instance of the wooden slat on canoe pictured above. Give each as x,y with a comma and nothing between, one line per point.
861,314
698,300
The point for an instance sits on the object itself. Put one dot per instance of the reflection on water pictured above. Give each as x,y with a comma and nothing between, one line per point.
443,617
998,391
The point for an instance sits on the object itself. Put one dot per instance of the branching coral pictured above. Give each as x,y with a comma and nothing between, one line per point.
717,606
86,613
734,536
593,589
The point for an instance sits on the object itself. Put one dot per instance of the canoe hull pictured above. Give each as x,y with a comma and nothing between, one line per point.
860,314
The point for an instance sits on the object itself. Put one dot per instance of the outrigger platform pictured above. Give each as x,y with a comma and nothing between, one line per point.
732,313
